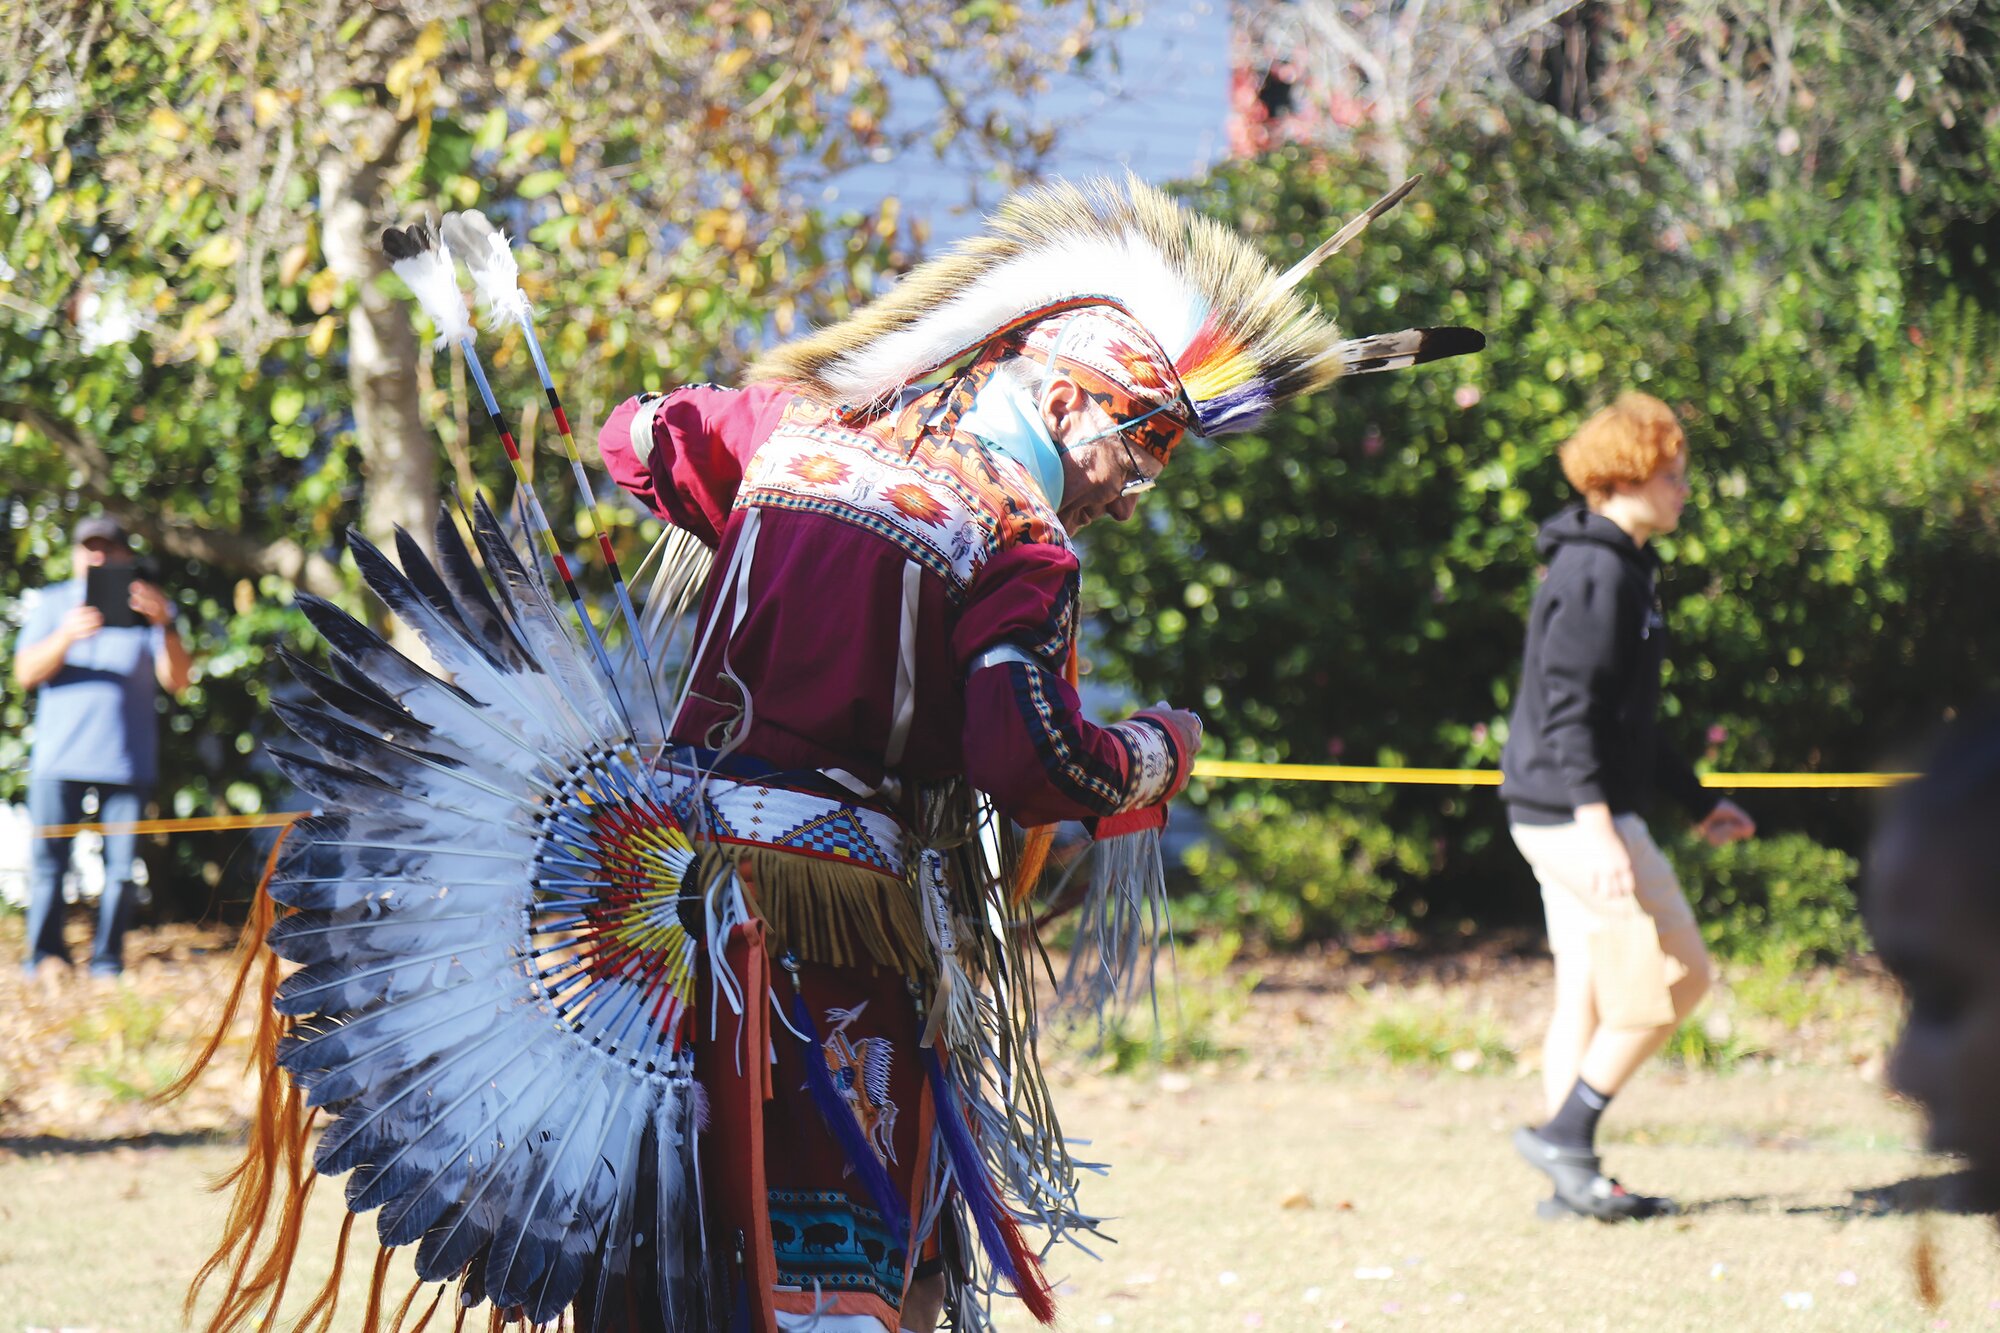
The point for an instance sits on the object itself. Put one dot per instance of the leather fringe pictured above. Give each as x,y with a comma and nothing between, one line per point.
826,912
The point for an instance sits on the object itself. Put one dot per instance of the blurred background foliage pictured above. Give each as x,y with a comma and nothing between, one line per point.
197,334
1809,282
1777,218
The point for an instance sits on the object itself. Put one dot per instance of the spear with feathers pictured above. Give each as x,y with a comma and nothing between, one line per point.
422,256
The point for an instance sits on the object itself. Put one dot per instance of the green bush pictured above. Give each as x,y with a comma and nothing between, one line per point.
1777,984
1350,583
1431,1034
1709,1042
1782,898
1283,875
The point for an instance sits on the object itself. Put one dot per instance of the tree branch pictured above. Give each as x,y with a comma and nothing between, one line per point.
230,551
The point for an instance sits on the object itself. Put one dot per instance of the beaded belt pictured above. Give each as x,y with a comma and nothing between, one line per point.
759,813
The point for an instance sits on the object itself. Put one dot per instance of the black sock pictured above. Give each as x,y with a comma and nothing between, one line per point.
1575,1124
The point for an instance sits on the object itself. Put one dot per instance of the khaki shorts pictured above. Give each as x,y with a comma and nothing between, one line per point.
1634,948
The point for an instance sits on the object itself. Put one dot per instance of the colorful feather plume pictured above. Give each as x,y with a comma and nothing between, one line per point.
1239,337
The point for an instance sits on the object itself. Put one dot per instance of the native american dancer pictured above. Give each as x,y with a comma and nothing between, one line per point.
688,986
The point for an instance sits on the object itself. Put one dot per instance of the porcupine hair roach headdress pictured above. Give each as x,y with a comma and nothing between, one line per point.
1236,335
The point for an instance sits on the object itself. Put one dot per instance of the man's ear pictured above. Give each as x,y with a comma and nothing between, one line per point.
1063,399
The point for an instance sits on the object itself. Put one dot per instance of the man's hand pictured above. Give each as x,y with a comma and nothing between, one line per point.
1607,862
80,624
1727,823
1183,730
1182,725
151,603
38,663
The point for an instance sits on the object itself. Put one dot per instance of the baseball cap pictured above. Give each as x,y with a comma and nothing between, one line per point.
103,528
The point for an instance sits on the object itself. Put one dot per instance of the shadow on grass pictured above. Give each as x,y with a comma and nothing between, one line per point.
1960,1194
55,1145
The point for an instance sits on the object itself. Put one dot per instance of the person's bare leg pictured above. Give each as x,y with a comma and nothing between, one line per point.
1564,1148
923,1304
1615,1054
1572,1025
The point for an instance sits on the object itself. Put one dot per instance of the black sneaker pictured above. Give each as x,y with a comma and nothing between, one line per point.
1581,1185
1553,1209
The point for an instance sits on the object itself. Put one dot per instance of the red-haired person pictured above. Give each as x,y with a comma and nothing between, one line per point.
1583,759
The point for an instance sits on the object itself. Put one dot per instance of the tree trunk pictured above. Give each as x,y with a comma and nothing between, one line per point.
399,466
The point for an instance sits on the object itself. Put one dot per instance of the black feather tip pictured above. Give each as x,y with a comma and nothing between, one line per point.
400,243
1450,340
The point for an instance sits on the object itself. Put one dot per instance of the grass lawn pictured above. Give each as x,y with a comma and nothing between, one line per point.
1337,1158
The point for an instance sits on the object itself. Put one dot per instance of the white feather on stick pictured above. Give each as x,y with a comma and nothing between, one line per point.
421,259
486,254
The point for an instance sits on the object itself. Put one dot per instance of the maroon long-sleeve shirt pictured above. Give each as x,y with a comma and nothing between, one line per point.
853,534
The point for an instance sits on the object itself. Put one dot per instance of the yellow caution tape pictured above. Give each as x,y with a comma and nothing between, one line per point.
1805,781
1203,768
1430,777
196,824
1487,777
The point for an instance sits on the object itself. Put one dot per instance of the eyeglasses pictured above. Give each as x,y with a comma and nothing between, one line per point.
1137,483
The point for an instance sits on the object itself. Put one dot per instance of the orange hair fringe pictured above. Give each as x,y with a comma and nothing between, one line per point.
274,1181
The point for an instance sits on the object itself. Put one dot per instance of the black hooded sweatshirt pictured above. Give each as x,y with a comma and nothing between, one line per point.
1586,717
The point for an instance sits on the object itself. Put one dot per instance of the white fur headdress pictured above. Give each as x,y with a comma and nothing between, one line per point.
1239,336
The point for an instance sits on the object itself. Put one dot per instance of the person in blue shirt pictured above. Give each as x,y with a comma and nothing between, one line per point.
96,726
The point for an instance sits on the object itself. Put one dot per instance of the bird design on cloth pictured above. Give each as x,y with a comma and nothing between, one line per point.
860,1069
